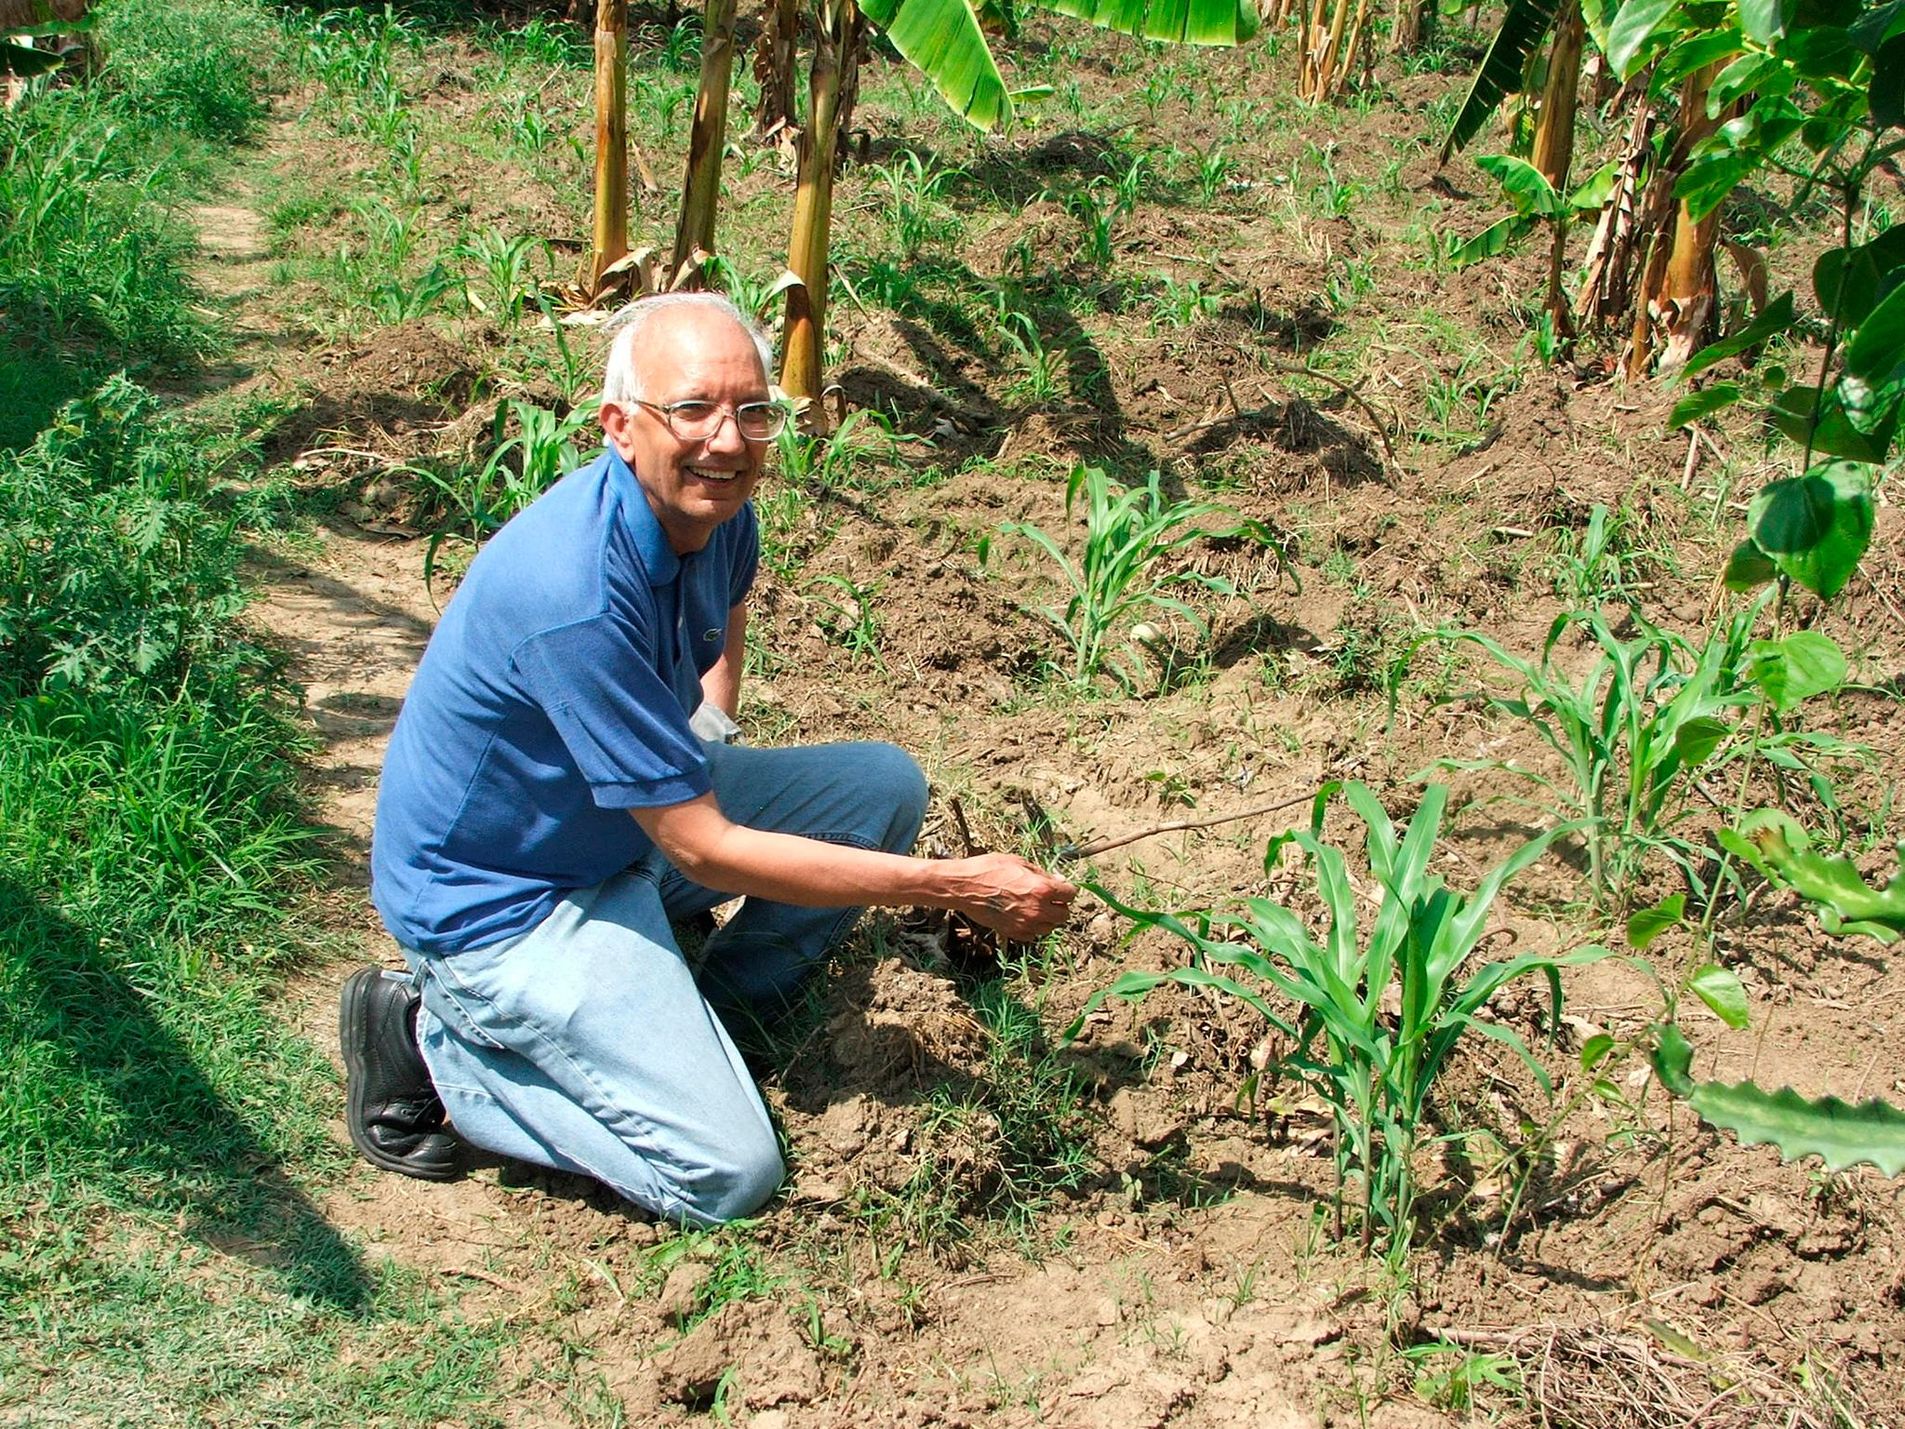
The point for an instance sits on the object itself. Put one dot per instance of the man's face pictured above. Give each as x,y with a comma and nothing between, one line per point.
692,486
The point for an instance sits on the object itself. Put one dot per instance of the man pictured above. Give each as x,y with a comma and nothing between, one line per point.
547,808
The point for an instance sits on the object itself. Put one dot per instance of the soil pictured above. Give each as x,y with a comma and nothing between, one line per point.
1190,1279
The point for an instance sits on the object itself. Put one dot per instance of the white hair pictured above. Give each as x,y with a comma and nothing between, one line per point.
619,382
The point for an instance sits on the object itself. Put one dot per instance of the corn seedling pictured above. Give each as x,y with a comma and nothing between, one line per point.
845,615
505,265
1373,1067
1120,576
915,202
522,464
1650,711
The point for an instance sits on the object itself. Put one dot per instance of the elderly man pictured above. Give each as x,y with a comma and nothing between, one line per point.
548,808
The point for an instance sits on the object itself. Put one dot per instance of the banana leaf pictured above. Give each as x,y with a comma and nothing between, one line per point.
1525,26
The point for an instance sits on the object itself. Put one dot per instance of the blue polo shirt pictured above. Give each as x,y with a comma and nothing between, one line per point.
554,697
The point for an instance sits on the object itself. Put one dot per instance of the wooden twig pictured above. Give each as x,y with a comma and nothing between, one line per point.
1073,852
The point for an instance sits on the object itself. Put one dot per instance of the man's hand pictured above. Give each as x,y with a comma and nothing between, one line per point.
1005,893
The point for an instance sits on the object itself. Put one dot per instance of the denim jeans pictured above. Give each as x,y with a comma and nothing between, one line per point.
590,1044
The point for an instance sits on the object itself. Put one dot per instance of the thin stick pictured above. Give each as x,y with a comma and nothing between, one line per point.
1073,852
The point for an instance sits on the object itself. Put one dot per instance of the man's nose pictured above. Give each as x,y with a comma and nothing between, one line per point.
726,436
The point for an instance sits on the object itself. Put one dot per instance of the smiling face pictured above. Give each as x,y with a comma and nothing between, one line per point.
690,354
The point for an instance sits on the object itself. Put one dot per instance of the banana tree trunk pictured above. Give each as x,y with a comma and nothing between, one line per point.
1414,26
774,69
1554,128
1554,140
1677,297
837,35
611,137
701,189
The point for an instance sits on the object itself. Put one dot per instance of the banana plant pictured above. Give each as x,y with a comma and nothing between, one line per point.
945,42
942,39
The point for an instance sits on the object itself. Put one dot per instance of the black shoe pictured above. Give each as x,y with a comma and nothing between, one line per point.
391,1107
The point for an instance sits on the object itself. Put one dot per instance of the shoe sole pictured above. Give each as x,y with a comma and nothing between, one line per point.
350,1013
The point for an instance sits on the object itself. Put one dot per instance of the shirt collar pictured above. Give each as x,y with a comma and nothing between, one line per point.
651,542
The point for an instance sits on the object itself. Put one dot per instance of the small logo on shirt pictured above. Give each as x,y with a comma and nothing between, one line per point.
711,635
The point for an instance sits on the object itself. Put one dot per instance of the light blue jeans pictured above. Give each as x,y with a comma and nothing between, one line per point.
589,1044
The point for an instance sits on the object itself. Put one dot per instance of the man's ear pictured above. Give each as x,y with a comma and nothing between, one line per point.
617,425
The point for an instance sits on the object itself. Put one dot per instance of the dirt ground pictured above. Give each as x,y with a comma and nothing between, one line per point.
1652,1272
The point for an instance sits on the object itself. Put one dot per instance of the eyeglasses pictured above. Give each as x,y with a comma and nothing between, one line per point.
698,421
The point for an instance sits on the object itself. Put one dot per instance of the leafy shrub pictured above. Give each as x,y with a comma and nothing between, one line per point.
115,574
193,67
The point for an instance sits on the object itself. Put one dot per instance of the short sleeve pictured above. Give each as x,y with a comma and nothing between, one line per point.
617,717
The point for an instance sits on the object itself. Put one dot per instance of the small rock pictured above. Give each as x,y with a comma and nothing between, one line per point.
1107,1311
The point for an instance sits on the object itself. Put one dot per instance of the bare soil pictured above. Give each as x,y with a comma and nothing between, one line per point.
1653,1271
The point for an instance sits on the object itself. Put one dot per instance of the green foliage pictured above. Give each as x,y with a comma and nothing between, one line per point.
531,447
148,838
1811,529
1121,572
115,575
193,67
1375,1068
1524,26
1650,711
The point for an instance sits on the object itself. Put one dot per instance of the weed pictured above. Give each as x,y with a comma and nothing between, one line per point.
1120,573
1182,304
1375,1071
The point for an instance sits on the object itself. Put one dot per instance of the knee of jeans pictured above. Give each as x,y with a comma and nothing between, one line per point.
737,1181
896,773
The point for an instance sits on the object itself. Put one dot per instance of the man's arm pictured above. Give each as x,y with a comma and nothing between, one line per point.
721,686
1000,891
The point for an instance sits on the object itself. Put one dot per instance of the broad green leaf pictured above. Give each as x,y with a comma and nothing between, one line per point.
1720,990
1673,1059
1748,567
25,60
1633,27
1524,25
1527,187
1696,49
1837,1132
1887,90
1696,740
1180,22
1492,241
1845,902
1649,923
1815,527
1878,25
1879,346
1763,20
1794,669
1594,1051
943,41
1749,74
1795,412
1849,282
1696,406
1776,317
